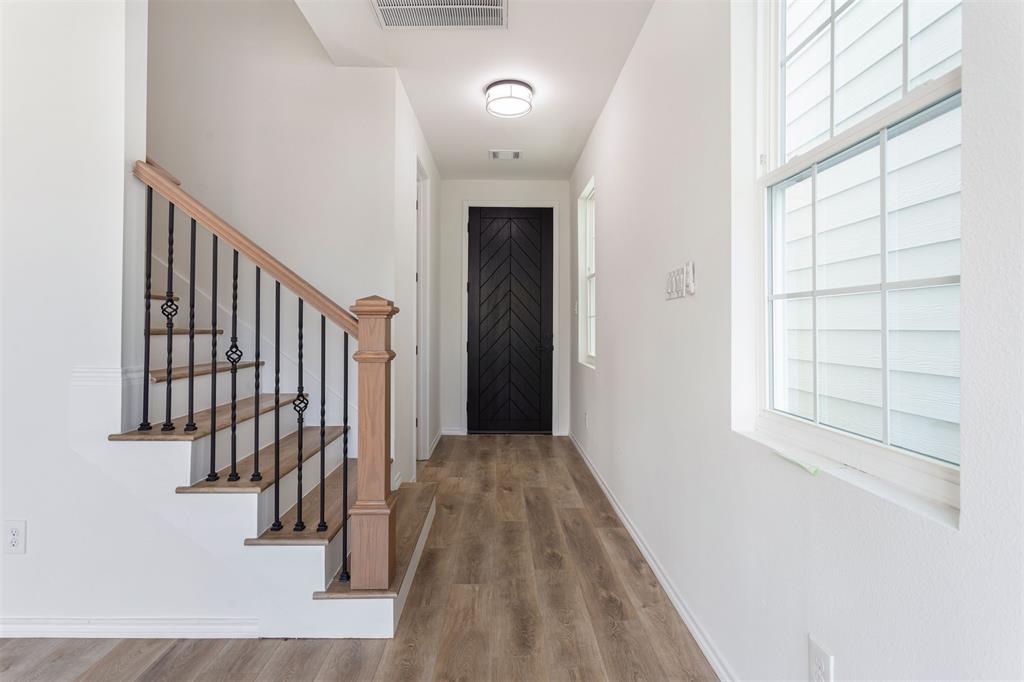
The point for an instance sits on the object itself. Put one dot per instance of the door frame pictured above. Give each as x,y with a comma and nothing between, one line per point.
423,447
464,298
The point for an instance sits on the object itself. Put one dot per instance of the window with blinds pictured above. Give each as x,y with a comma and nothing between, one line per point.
864,282
841,62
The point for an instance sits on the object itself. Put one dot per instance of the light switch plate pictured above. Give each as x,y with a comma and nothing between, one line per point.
821,663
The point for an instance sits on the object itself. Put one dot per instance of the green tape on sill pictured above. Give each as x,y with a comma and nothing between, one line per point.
812,469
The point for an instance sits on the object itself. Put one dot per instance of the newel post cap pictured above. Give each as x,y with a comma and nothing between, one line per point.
374,306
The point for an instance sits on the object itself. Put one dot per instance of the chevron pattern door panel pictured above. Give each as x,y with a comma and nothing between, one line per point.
510,309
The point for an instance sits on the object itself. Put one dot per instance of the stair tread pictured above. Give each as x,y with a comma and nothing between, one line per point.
181,331
245,410
154,296
311,512
159,376
288,457
411,511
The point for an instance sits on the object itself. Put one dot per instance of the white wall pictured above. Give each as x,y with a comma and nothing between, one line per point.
760,553
314,162
455,196
411,155
73,119
247,110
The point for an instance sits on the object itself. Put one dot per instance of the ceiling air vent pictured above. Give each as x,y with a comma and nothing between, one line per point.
401,14
505,154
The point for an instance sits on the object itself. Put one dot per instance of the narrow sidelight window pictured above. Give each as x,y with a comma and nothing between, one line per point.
587,294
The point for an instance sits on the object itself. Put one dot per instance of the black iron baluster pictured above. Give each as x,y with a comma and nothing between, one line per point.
299,404
343,576
169,309
256,475
234,355
144,425
213,476
322,526
191,424
277,403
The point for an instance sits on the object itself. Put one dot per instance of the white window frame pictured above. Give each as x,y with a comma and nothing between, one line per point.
914,480
586,217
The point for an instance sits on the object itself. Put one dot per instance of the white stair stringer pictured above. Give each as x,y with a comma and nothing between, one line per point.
204,570
290,611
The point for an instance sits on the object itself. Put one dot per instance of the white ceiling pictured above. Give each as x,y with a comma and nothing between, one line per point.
571,51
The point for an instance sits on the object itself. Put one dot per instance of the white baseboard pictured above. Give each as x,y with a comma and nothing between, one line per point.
131,628
453,431
716,660
433,445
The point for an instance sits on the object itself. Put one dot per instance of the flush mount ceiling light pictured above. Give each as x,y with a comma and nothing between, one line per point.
509,98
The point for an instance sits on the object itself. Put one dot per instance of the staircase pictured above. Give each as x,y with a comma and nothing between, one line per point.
259,451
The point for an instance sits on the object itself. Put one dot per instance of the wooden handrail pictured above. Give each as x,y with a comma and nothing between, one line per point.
165,184
163,170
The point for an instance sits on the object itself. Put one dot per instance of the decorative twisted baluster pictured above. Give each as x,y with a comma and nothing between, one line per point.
191,423
144,425
234,355
277,412
169,309
344,576
299,404
213,476
256,475
322,526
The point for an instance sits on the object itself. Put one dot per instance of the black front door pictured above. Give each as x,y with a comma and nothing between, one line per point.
510,309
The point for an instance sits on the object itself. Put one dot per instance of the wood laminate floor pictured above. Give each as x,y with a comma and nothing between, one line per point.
527,574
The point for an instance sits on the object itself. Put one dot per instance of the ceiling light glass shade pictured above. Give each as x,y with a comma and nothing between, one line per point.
509,99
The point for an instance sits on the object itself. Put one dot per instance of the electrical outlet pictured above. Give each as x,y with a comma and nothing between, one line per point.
14,537
821,663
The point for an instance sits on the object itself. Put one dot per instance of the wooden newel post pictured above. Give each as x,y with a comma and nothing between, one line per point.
373,515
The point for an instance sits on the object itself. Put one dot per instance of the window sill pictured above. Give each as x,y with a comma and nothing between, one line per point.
590,364
919,484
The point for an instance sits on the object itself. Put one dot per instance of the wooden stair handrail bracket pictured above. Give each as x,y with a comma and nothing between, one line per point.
166,185
373,515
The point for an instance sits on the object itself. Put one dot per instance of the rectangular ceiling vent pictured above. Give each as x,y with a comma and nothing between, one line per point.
404,14
505,154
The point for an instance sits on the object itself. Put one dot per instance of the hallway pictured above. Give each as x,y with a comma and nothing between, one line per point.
527,574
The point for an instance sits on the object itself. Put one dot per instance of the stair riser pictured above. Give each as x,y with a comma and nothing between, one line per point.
203,351
179,393
332,557
243,443
310,479
288,610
